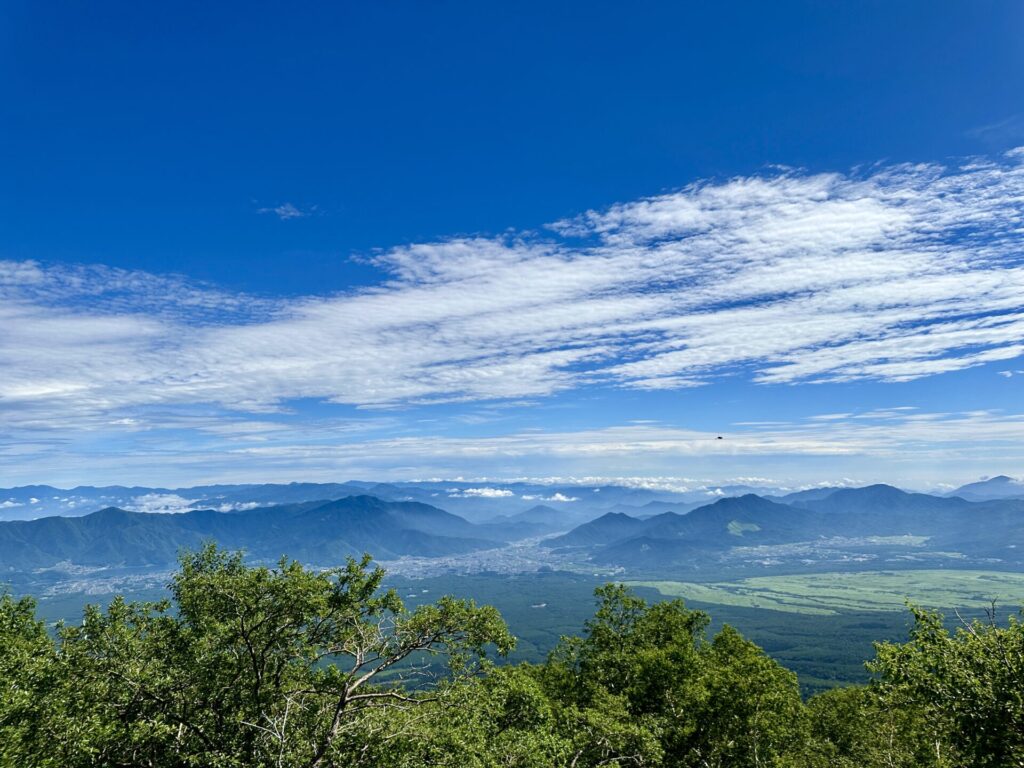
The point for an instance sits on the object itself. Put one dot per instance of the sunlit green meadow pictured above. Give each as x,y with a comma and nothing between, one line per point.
829,593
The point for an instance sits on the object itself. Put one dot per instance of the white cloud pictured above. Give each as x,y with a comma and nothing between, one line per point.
481,493
560,497
902,272
1000,132
925,436
285,211
241,506
904,446
159,502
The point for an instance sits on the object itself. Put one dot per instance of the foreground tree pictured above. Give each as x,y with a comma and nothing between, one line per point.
859,727
27,674
642,687
256,666
968,687
647,688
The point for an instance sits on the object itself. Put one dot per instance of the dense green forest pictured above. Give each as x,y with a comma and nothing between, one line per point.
540,608
286,666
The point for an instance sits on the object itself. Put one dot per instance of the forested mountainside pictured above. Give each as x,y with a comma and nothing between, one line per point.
879,523
478,502
567,505
319,532
288,667
876,523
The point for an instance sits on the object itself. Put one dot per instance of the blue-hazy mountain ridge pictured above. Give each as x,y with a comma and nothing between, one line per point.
905,527
479,501
315,532
873,517
999,487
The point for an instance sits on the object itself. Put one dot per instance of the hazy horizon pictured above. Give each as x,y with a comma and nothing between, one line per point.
679,484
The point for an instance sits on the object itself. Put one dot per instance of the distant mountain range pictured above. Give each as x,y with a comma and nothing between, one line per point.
314,532
861,519
999,487
982,524
564,506
569,505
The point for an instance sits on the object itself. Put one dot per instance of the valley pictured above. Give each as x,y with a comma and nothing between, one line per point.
830,593
815,577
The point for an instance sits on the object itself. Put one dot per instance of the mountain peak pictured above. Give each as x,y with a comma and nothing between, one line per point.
322,533
998,487
110,513
746,501
607,528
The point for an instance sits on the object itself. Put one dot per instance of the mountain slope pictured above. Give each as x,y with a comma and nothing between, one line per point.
999,487
318,532
872,517
535,521
674,540
606,529
755,518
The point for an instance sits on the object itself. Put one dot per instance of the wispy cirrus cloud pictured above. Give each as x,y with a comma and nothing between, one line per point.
286,211
1001,133
910,446
891,273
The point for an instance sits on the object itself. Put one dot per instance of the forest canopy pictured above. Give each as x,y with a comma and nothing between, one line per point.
255,666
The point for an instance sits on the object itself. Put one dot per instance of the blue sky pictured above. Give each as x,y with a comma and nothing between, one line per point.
401,240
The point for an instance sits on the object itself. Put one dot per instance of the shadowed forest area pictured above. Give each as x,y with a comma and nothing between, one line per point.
286,666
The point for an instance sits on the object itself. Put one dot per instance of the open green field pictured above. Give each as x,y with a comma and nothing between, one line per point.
826,594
